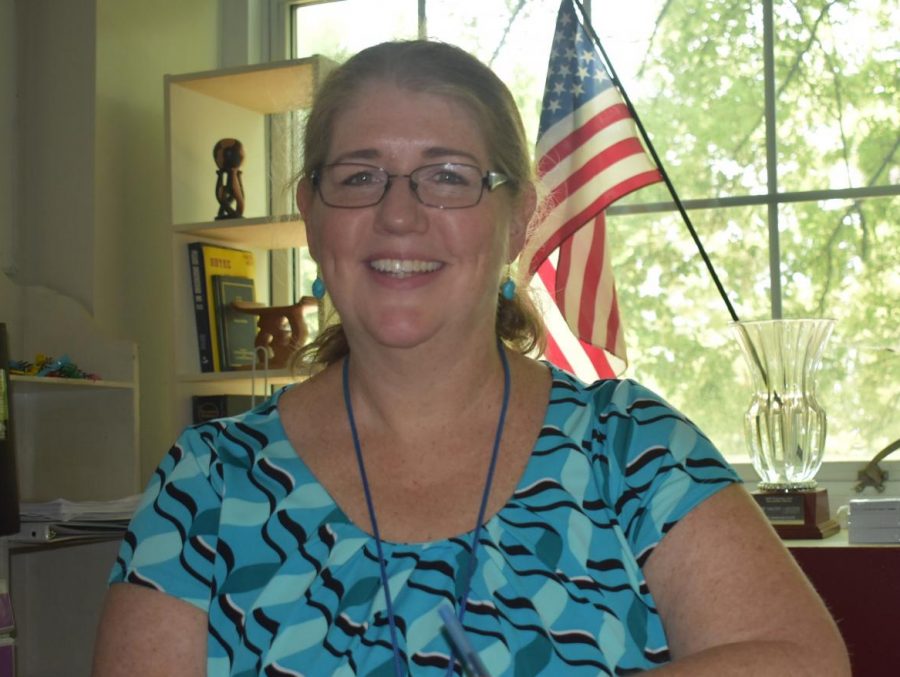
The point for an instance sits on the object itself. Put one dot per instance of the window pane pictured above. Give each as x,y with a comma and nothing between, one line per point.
340,29
836,73
513,38
678,329
840,260
699,91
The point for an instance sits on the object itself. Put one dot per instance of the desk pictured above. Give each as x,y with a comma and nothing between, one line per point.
861,586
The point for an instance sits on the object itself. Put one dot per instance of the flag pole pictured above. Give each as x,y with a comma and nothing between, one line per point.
659,165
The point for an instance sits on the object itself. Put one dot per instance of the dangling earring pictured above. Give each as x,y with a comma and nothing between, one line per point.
508,288
318,288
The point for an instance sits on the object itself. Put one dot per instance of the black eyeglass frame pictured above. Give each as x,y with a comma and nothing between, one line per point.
490,179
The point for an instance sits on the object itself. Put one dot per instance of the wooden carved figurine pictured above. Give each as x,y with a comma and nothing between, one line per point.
229,155
281,329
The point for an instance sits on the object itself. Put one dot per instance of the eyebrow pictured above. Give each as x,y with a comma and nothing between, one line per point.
440,151
434,152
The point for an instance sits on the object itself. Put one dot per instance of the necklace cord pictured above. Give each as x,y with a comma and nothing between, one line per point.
501,422
473,559
382,565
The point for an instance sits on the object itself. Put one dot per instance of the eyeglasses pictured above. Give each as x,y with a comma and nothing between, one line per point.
449,185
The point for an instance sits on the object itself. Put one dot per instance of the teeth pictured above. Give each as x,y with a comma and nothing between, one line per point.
404,267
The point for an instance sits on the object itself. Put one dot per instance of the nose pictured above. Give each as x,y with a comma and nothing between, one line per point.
400,210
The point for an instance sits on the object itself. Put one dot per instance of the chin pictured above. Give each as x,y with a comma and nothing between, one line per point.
401,339
401,327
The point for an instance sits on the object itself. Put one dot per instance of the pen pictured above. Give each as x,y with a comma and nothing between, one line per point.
471,661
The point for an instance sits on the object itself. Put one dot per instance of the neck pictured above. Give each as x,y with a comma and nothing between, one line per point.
422,387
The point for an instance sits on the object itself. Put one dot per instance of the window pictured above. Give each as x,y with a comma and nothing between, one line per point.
778,126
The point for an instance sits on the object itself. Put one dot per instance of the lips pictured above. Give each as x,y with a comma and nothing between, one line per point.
404,267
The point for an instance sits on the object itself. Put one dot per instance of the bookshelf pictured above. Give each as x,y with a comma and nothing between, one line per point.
261,106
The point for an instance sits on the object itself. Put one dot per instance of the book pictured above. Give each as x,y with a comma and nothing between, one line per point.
9,488
207,407
236,330
207,260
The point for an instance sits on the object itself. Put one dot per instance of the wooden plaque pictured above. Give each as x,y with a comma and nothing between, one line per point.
799,513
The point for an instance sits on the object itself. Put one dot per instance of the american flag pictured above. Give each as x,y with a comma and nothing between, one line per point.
589,155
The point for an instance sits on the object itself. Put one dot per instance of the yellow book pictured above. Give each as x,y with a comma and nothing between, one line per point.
206,261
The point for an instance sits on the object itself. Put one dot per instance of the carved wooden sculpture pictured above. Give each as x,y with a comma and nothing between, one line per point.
229,155
281,329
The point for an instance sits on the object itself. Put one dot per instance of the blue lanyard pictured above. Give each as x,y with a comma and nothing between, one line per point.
473,561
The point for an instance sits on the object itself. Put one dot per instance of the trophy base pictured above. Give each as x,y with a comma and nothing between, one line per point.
798,513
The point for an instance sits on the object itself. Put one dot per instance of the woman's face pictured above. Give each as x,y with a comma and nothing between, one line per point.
401,273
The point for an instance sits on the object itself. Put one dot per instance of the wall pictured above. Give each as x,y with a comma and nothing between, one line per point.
9,297
55,155
138,42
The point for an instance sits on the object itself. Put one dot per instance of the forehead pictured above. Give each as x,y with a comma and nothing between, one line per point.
385,121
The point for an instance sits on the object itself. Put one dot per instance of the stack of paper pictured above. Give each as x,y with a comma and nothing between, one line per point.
64,510
874,520
63,519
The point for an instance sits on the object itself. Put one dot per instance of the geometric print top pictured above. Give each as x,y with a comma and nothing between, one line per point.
235,523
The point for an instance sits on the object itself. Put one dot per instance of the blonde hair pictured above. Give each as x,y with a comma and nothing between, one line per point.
442,69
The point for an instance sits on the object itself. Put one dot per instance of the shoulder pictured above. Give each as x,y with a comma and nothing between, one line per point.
608,399
629,425
233,439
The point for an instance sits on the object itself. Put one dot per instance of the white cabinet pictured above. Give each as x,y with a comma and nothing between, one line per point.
75,439
261,106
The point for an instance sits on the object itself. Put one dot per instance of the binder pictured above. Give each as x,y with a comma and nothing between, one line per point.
46,532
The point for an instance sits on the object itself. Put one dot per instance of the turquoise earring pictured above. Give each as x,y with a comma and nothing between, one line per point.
508,289
318,288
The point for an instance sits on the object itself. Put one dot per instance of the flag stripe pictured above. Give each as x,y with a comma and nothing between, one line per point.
553,230
543,286
564,349
554,134
581,136
585,305
594,268
600,168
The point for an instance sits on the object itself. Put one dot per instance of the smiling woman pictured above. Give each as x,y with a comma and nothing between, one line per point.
433,501
455,246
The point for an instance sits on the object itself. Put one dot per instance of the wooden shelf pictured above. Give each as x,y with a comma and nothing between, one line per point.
277,232
275,87
34,383
280,376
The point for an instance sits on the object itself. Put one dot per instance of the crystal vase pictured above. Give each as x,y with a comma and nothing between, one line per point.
785,426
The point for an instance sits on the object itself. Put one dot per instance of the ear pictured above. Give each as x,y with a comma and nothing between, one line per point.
523,211
305,196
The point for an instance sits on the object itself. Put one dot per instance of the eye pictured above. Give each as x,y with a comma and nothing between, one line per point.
356,176
450,175
360,178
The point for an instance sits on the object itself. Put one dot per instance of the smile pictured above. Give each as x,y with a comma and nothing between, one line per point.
404,267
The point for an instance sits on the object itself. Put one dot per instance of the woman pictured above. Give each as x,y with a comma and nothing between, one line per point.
430,472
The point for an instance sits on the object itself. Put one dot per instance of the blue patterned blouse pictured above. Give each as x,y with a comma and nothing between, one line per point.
235,523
